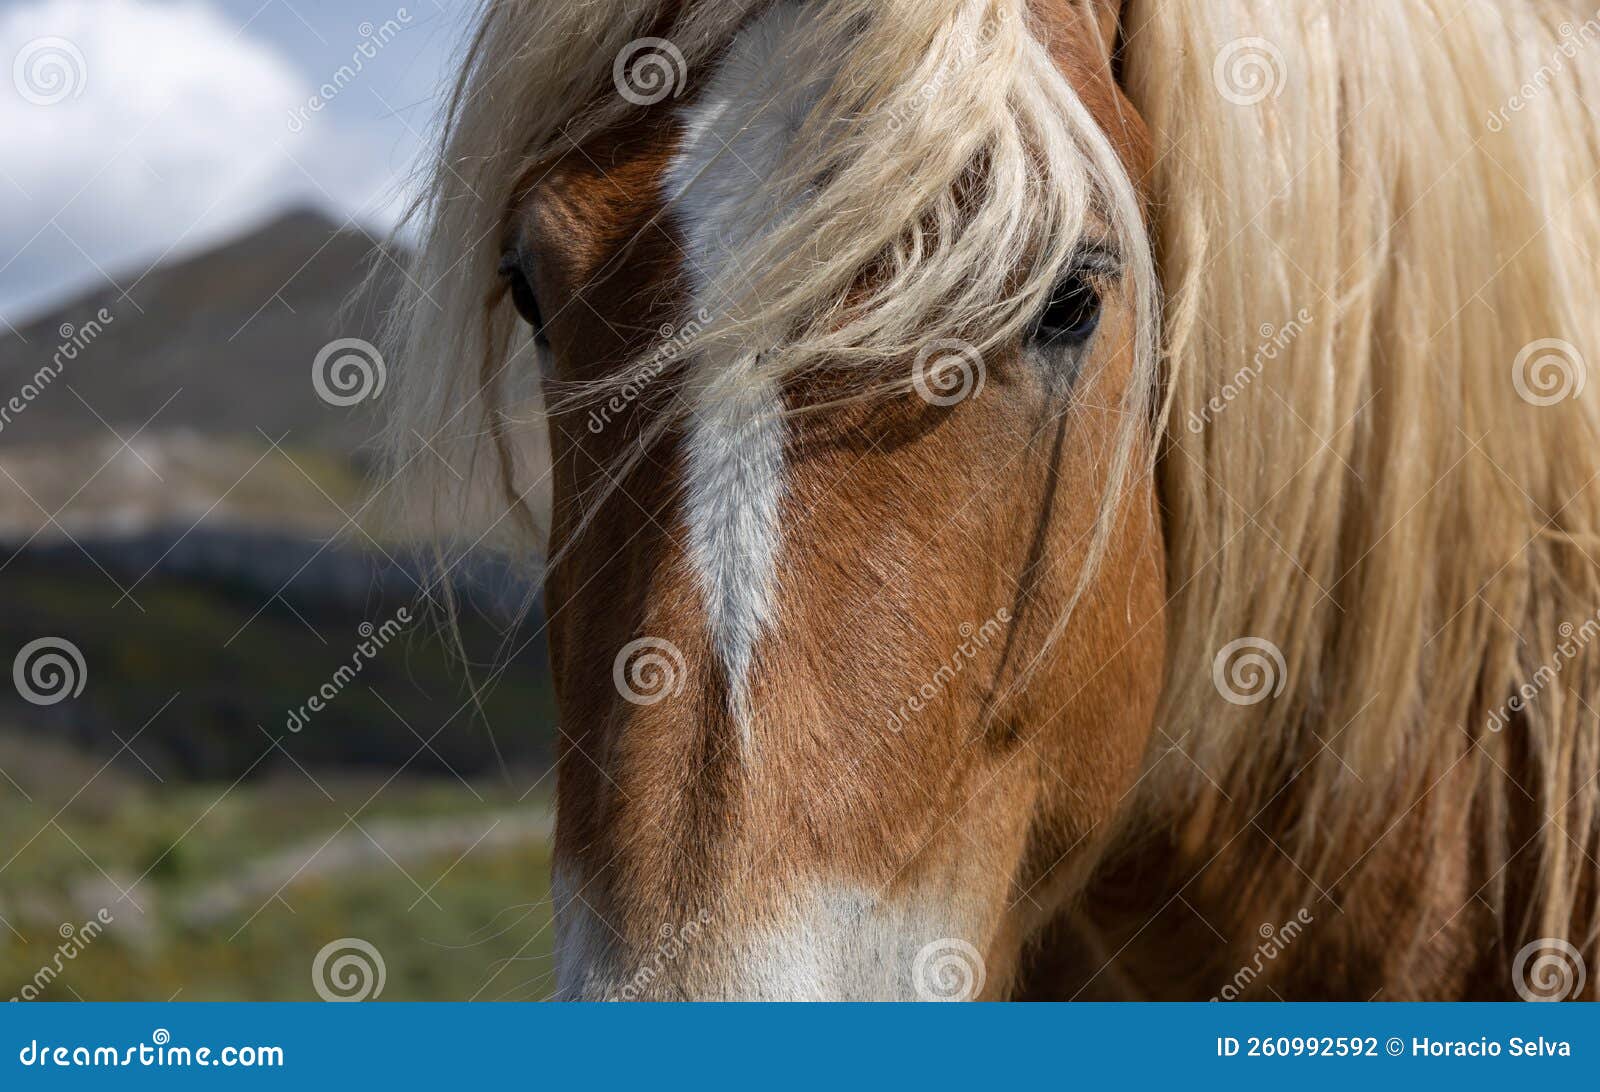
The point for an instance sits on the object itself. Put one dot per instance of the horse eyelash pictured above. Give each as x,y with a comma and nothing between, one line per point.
1097,259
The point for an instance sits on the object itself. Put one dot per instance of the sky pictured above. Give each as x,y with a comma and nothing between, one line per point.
137,130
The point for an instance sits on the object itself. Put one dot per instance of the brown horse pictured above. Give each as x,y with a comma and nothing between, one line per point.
1050,498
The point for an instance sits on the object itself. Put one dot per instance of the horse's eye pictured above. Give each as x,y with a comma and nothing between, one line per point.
1071,316
522,297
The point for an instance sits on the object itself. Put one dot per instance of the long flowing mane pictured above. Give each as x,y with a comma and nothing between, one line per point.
1375,226
1382,286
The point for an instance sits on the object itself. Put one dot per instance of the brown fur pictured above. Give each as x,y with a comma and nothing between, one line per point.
998,789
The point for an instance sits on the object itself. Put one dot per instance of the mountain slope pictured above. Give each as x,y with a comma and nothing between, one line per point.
221,343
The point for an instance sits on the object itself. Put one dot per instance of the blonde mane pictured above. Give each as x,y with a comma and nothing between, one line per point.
1373,221
1397,203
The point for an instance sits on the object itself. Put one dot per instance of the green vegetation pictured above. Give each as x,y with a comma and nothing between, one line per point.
228,850
231,892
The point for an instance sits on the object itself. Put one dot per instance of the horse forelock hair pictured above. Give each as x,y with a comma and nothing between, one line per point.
943,179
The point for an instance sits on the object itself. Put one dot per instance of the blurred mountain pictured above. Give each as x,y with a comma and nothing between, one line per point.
220,343
181,505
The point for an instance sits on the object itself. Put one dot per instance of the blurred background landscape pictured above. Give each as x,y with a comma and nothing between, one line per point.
234,732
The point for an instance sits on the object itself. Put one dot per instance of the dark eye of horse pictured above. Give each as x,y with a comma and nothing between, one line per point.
522,297
1071,316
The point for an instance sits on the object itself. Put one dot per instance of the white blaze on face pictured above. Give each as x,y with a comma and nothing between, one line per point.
734,139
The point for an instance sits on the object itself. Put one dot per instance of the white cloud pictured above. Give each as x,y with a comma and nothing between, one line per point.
134,126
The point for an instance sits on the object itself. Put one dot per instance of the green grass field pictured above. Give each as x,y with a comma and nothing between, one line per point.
219,892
